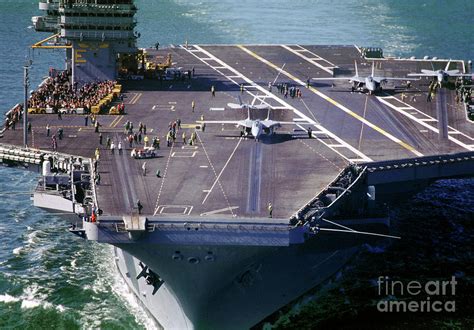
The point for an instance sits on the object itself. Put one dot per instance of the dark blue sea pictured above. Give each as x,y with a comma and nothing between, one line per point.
52,280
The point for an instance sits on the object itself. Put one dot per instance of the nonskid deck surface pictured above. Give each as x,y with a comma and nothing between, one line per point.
226,174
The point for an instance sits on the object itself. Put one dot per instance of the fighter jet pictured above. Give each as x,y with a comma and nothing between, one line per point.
249,106
253,127
441,75
370,83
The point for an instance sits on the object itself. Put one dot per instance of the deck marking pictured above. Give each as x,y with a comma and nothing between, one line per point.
424,122
219,211
278,75
137,98
186,209
118,121
188,147
362,127
311,60
124,184
254,178
126,166
163,179
222,170
183,154
113,121
204,166
335,103
321,155
166,107
133,97
216,109
284,104
313,134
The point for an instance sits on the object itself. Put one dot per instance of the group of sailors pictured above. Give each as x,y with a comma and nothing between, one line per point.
463,92
13,116
58,92
287,90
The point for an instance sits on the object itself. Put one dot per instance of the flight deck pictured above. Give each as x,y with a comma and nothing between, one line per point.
229,174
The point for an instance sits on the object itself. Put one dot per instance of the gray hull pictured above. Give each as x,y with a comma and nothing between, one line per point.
235,288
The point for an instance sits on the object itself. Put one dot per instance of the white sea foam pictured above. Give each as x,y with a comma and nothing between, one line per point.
61,308
31,237
6,298
17,251
121,289
28,304
32,298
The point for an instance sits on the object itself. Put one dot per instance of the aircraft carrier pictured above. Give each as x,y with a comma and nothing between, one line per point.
204,250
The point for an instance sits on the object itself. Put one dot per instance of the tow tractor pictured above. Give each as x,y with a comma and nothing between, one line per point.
143,153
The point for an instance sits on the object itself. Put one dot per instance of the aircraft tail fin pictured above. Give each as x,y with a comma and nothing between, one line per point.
447,65
248,113
357,71
268,114
373,68
240,100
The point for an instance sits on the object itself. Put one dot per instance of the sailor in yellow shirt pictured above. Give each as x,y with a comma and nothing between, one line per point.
184,137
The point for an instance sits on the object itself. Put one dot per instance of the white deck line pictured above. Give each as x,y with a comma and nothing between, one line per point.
298,52
333,148
425,124
286,106
332,65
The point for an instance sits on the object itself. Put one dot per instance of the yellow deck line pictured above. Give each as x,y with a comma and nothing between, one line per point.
117,121
113,121
335,103
135,99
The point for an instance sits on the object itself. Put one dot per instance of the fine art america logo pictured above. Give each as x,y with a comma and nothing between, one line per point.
416,296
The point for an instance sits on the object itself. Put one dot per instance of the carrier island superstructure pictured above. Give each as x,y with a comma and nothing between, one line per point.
203,251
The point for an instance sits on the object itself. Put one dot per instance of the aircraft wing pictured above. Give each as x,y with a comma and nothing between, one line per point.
430,72
259,107
380,79
234,106
334,78
244,123
358,79
452,72
268,123
461,75
421,74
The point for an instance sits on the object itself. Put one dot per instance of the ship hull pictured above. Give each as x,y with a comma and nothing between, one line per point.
232,288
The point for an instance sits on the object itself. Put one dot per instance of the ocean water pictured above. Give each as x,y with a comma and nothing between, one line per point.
51,279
